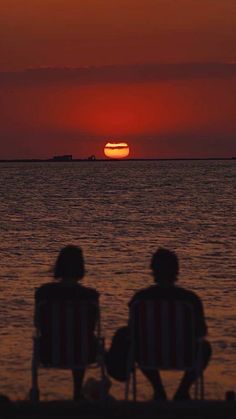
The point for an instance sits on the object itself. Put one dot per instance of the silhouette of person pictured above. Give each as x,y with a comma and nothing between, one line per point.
68,271
165,269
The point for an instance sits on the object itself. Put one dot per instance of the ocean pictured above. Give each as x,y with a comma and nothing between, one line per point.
119,212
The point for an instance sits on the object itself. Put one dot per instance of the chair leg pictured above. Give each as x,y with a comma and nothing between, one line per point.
127,384
101,363
202,386
34,394
134,385
34,391
103,383
196,389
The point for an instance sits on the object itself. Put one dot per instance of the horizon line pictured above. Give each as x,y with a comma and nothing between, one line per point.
52,160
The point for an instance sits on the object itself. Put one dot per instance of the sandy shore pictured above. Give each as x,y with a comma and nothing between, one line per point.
118,410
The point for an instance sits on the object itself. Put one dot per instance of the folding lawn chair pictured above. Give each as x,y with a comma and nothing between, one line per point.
163,338
65,337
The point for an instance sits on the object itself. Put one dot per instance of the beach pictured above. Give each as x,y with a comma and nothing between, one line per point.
119,410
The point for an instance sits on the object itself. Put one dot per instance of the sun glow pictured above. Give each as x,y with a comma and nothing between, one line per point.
116,150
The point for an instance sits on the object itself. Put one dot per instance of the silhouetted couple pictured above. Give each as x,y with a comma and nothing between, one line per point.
69,271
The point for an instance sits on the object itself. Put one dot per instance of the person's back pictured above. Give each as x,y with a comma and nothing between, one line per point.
65,291
165,269
68,270
175,293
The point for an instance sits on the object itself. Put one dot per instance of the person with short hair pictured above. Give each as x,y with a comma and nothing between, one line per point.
165,270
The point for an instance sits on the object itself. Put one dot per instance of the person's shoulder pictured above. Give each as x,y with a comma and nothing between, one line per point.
87,292
46,286
143,294
187,294
63,291
45,289
92,291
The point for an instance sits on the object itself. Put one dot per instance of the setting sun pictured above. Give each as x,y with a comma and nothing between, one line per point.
116,150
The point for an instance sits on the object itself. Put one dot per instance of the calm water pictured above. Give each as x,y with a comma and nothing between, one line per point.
119,212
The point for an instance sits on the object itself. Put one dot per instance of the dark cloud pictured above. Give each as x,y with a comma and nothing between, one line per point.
121,74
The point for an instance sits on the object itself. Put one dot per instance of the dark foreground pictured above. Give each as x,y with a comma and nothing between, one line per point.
119,410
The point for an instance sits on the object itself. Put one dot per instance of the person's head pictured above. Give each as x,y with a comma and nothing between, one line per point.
69,263
165,266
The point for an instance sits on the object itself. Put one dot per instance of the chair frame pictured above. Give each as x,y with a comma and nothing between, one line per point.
132,365
34,394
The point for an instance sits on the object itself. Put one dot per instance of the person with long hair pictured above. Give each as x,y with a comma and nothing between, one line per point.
68,272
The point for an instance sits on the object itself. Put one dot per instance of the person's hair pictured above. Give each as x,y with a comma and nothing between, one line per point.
69,263
165,265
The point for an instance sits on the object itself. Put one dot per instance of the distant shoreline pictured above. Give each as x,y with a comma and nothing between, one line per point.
111,160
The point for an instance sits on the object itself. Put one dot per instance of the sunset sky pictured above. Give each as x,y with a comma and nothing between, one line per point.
157,74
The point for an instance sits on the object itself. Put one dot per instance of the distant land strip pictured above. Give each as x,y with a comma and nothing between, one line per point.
110,160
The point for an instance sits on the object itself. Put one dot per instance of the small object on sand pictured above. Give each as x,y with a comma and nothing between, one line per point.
230,396
4,398
92,389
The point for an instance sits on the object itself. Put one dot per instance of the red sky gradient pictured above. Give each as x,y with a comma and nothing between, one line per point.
158,74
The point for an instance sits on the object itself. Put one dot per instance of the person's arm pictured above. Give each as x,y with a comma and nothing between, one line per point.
36,299
201,327
130,303
95,300
39,297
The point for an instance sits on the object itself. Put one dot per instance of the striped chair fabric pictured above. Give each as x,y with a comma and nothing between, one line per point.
163,338
164,334
66,333
67,337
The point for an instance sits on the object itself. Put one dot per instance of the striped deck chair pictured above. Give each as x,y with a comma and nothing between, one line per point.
64,338
163,338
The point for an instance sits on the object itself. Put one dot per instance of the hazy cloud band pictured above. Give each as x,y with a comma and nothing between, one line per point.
121,74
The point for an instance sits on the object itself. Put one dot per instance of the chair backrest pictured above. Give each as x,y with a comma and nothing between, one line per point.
163,334
66,332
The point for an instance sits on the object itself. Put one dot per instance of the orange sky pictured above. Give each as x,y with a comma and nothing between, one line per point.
168,111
